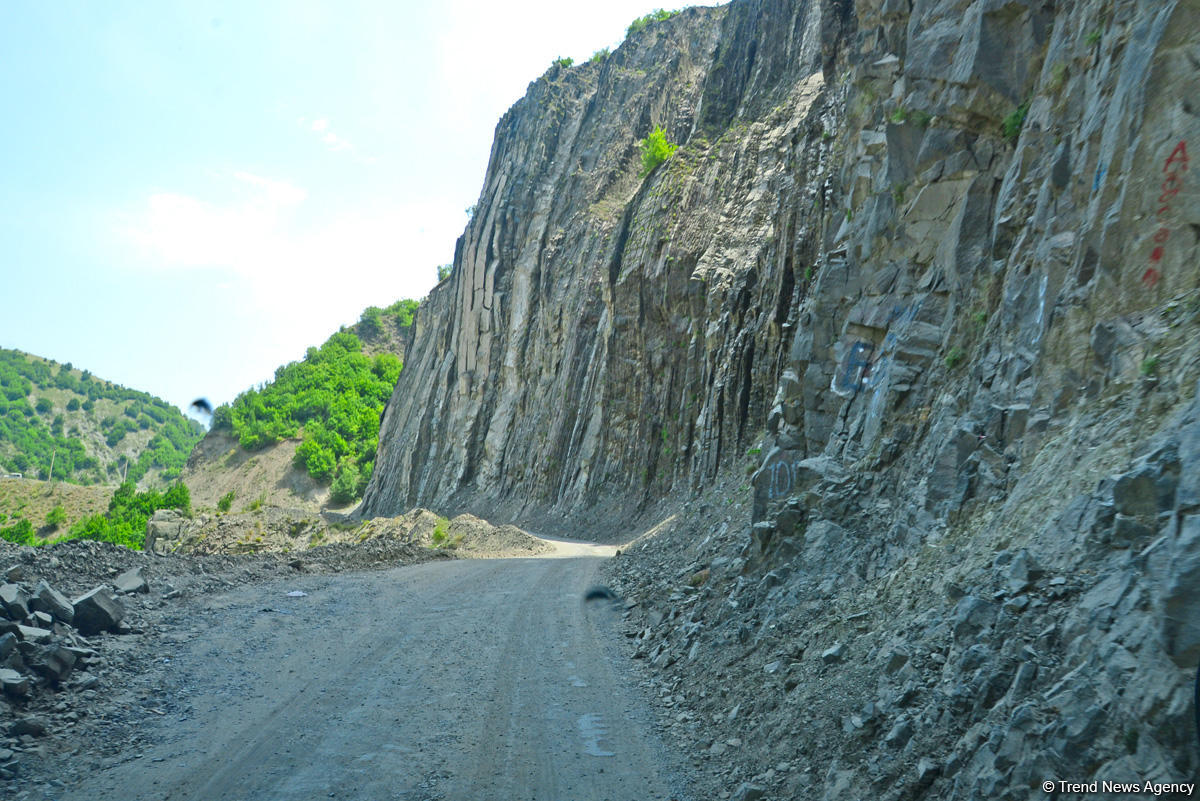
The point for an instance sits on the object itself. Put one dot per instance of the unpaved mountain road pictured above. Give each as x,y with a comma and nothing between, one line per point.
479,680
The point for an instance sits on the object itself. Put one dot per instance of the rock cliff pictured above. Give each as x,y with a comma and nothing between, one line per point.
934,266
604,338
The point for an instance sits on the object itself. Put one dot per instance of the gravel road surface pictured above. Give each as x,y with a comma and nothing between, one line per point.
480,680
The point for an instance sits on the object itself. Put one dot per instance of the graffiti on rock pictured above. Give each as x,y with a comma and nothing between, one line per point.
1174,167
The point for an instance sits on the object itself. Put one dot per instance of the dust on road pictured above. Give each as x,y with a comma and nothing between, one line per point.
486,680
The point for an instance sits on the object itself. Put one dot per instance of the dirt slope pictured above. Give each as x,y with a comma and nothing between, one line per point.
268,477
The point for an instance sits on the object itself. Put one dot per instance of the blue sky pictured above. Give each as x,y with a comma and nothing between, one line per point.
195,192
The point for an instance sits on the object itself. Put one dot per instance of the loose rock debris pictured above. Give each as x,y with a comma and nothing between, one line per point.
79,626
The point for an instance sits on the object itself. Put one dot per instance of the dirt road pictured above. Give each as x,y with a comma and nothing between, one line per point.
479,680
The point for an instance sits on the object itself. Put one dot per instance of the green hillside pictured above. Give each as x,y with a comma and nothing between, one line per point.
91,430
332,400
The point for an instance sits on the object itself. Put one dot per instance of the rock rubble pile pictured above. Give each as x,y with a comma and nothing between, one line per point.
48,644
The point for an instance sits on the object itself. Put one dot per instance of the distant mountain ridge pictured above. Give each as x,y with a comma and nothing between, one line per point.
85,429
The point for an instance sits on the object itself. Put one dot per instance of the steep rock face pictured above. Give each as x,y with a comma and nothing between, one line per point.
605,337
989,407
939,259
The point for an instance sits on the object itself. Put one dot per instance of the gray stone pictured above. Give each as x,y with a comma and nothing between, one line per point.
972,615
13,602
33,726
1023,680
131,581
52,662
168,531
833,654
34,634
1181,595
1135,494
1014,606
41,620
1129,530
8,644
748,792
15,573
47,599
1187,493
85,681
896,659
901,732
13,683
97,611
82,655
1022,570
974,656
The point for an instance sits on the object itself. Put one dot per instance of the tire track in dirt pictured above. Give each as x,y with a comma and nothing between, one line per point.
471,679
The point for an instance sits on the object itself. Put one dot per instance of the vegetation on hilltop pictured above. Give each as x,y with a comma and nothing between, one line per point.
639,24
333,400
55,417
401,313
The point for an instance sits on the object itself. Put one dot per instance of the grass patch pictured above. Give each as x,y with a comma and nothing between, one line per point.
655,150
1012,124
440,533
921,118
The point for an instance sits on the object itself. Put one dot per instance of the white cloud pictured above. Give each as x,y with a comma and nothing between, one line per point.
299,279
334,142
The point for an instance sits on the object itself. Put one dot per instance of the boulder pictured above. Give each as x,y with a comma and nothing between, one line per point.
169,530
13,602
8,644
35,726
34,634
97,611
13,683
52,602
131,581
748,792
833,654
53,662
971,616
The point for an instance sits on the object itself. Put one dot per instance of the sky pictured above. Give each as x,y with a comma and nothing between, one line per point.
195,192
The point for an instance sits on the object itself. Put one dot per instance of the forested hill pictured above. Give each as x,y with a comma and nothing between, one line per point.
324,410
92,431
